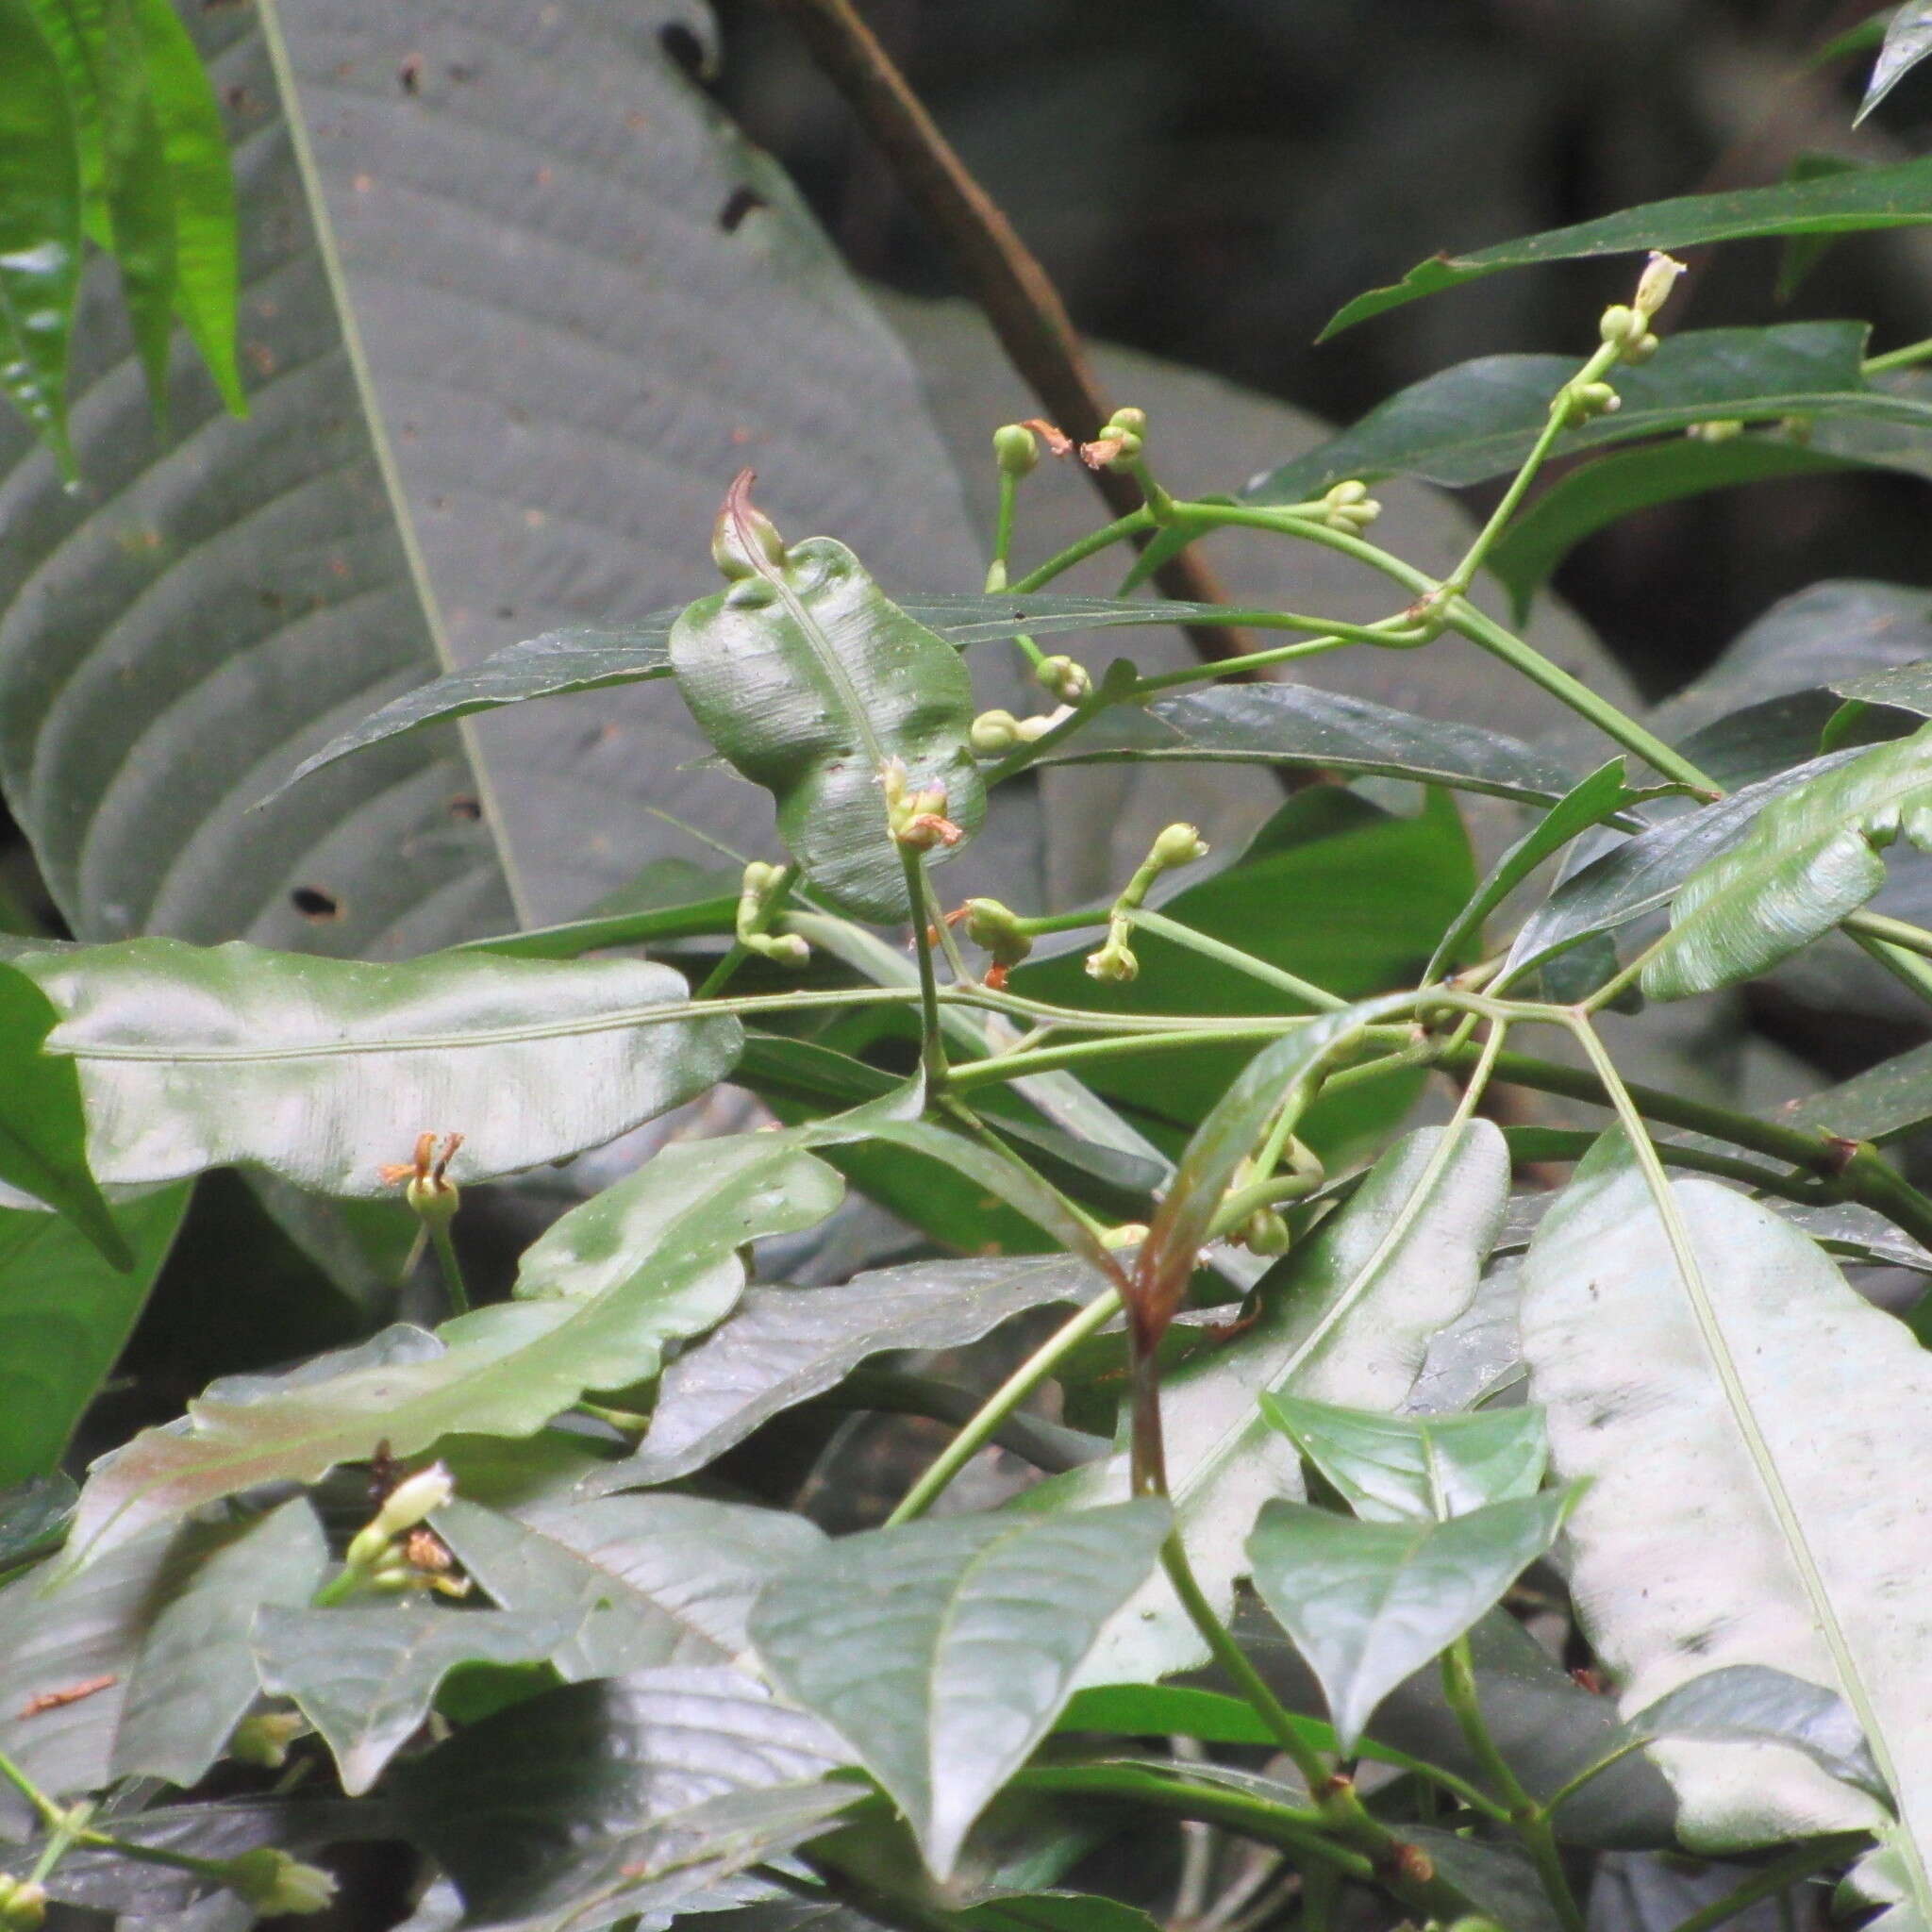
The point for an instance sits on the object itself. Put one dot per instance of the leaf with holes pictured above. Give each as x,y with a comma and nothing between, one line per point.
1811,858
942,1652
1756,1449
225,600
323,1071
365,1678
814,685
651,1260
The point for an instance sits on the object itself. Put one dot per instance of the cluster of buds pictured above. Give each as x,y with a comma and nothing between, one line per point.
916,817
1582,402
428,1187
754,901
22,1904
396,1551
994,734
1122,439
1069,681
275,1884
1350,508
1625,327
1114,962
996,928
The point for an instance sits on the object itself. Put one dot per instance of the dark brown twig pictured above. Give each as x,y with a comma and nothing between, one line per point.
998,268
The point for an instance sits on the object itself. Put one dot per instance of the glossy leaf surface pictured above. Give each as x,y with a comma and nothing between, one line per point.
365,1678
642,1581
323,1071
1757,1491
942,1651
1908,41
1809,860
1407,1469
1344,1319
1366,1603
813,684
1744,1702
1898,196
1299,727
784,1345
652,1259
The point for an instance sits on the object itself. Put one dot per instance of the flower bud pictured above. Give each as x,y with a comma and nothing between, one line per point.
414,1499
1014,450
1720,431
1179,845
1585,400
275,1883
744,540
994,734
1621,324
784,949
22,1905
1032,729
264,1738
1348,507
1114,964
433,1197
761,875
1068,681
1654,286
1263,1232
996,928
1642,349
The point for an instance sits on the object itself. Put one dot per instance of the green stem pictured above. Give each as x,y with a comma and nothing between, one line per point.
1530,1819
1891,932
1304,990
1898,359
1046,1445
452,1268
721,974
1792,1869
50,1814
997,1406
1094,541
63,1834
705,919
1080,1053
932,1044
1564,1792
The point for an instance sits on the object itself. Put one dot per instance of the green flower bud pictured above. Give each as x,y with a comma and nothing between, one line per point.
1068,681
22,1905
1179,845
264,1738
1585,400
743,537
1621,324
994,734
1031,730
1015,450
996,928
782,949
1264,1232
1722,431
1114,964
274,1883
1642,349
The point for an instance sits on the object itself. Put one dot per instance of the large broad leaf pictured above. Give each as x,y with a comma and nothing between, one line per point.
1346,1319
66,1315
1754,1436
550,206
1807,860
814,685
1908,41
1407,1468
1481,419
194,1678
1368,1603
324,1070
365,1678
784,1345
1299,728
942,1652
1880,1104
1892,197
650,1260
582,659
1751,1702
644,1580
40,224
579,1797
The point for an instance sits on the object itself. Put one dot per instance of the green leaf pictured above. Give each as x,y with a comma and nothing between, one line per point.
1161,1710
42,1127
1754,1441
1368,1603
1589,803
34,1516
1880,1104
366,1678
1743,1703
1480,419
214,609
650,1260
1644,874
581,659
1346,1318
40,226
193,1678
1302,727
814,685
582,1797
322,1071
1893,197
66,1316
1400,1468
641,1580
1594,496
1908,41
784,1345
1811,858
1057,1911
1494,1875
1798,256
135,187
942,1652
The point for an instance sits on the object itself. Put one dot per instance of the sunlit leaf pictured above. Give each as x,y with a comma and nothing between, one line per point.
1908,41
